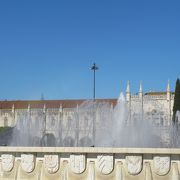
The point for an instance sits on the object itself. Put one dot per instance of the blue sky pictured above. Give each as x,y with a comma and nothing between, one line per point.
48,47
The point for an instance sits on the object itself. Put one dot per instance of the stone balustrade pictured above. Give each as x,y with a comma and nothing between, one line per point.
64,163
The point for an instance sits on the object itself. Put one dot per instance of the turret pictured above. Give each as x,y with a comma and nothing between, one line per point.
169,101
13,109
128,93
140,90
141,98
77,108
60,108
128,99
29,108
168,92
44,108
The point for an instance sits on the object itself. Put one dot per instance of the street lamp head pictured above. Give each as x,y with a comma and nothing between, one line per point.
94,67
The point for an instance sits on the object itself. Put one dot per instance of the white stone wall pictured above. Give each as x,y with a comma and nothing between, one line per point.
153,107
157,108
7,117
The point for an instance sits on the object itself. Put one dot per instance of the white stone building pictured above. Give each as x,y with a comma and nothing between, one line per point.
152,105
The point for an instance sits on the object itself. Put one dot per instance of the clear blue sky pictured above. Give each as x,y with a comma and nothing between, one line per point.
48,46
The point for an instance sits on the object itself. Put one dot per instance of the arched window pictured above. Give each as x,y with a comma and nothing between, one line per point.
68,142
85,142
69,120
5,121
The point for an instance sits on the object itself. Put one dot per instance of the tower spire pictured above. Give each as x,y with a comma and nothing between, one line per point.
128,87
29,107
168,87
13,109
44,108
128,94
168,91
140,90
169,100
60,108
140,87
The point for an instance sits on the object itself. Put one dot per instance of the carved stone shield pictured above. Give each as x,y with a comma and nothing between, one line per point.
77,163
51,163
134,164
27,162
161,165
105,163
7,162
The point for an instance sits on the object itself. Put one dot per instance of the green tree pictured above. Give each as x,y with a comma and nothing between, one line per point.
176,106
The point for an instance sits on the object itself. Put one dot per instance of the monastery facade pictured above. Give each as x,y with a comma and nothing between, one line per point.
155,106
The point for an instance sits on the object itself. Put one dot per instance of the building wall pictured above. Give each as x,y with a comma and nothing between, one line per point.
70,130
157,108
152,107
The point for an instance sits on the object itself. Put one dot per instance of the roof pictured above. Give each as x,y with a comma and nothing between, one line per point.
23,104
157,93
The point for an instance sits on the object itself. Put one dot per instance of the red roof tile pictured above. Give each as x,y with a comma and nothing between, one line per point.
23,104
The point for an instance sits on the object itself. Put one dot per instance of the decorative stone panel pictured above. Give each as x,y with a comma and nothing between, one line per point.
161,165
27,162
77,163
119,171
175,171
134,164
105,163
89,163
148,172
51,163
7,162
91,171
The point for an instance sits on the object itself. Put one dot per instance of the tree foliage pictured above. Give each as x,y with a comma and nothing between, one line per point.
176,106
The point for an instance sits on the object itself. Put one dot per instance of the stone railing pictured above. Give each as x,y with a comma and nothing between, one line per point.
44,163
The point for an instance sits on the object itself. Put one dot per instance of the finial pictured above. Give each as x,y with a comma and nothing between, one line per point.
60,108
77,108
13,108
128,87
112,106
44,108
29,107
140,88
168,86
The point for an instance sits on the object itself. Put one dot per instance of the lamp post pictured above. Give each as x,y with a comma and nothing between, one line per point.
94,68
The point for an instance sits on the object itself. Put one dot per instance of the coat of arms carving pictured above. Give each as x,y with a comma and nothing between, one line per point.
134,164
77,163
105,163
51,163
27,162
161,165
7,162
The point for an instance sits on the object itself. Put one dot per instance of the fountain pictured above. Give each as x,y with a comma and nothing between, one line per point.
92,124
99,142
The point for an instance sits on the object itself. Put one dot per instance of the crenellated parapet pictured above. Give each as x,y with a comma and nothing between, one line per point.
21,163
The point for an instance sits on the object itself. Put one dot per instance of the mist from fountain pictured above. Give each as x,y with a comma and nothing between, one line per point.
92,124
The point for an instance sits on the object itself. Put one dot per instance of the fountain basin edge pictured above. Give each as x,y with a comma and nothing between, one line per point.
28,149
89,163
